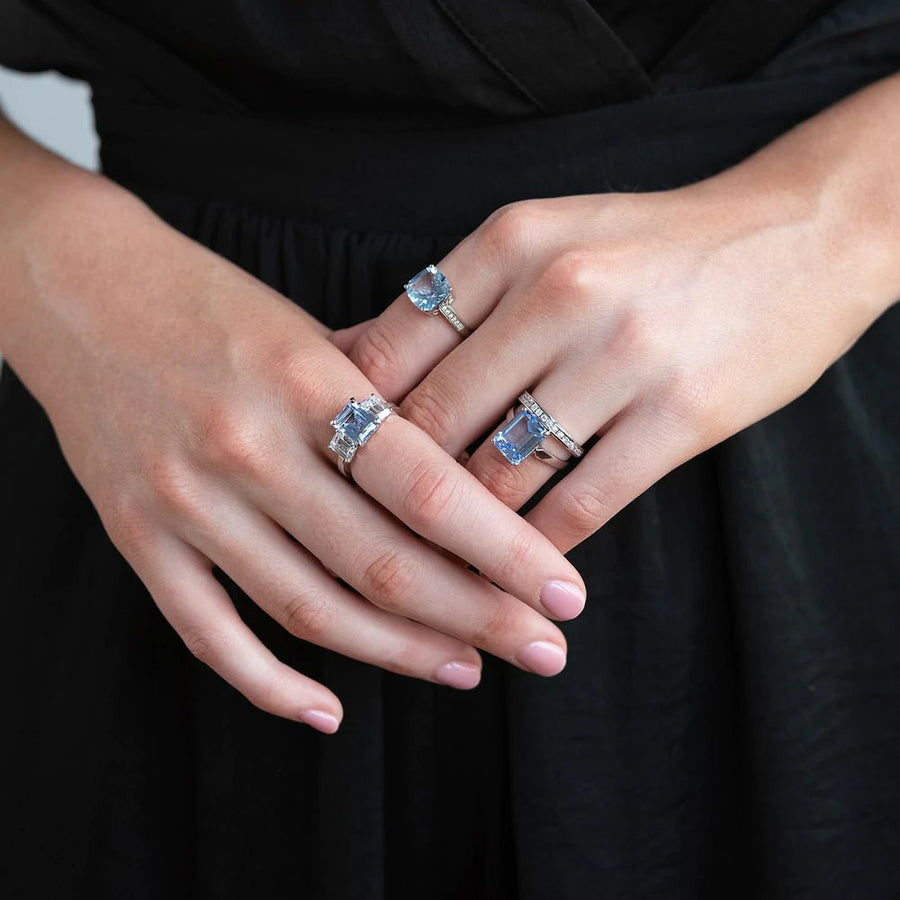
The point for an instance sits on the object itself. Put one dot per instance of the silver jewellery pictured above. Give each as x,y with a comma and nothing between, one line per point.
430,291
354,425
525,431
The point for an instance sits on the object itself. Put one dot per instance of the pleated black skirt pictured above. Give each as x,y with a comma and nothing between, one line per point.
728,724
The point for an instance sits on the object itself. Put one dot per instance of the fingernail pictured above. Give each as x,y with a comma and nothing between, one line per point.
458,675
321,721
543,658
562,599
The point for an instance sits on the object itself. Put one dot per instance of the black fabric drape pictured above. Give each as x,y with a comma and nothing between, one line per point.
728,721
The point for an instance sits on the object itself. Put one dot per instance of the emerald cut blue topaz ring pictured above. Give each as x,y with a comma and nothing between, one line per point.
430,291
354,425
526,430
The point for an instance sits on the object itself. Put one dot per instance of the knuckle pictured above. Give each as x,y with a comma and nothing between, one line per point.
389,580
428,407
586,509
506,482
128,522
431,495
511,229
233,445
637,337
203,644
499,623
688,402
307,616
573,280
375,354
517,558
173,483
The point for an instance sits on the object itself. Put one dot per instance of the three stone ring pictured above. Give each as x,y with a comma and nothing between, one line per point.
430,291
525,432
354,425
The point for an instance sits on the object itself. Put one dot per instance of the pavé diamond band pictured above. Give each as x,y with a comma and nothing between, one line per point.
354,425
430,291
525,432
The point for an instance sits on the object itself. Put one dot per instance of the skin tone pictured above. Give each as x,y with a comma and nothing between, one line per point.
193,403
681,317
662,322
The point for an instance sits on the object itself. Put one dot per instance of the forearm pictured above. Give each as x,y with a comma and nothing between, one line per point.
840,171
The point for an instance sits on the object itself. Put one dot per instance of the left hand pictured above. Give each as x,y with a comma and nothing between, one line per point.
664,322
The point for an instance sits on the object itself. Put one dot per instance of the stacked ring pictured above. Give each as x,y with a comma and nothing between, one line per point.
354,425
527,429
430,291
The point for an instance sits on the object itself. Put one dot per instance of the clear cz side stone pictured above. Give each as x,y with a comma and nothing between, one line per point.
429,289
346,449
520,437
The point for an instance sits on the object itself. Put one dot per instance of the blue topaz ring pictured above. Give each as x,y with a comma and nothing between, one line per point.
526,430
430,291
354,425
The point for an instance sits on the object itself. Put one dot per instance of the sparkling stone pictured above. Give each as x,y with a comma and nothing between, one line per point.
343,447
356,422
520,437
429,289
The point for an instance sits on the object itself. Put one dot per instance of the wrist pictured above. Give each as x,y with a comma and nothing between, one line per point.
832,225
838,175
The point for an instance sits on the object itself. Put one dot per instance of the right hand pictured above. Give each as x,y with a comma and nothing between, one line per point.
193,403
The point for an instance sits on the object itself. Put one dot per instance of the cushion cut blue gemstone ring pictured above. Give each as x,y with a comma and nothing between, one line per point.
354,425
525,431
430,291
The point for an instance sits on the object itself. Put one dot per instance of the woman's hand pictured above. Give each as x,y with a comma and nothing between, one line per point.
193,404
663,322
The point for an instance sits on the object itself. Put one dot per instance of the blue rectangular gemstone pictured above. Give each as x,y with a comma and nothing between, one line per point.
520,437
356,423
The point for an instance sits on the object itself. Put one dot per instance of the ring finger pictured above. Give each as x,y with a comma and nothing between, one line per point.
581,414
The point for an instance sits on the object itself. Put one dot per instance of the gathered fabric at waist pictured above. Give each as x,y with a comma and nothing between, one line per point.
406,178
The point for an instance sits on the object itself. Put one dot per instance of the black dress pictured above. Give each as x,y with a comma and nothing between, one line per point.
728,724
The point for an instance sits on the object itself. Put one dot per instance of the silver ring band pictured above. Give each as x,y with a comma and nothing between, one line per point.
525,431
551,424
446,310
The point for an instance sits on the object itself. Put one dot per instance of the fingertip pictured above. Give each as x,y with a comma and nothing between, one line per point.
563,599
461,675
320,720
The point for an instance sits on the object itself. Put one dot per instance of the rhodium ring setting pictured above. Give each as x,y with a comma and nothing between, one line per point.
526,431
430,291
354,425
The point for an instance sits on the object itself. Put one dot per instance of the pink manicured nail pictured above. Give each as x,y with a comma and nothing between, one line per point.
564,600
458,675
321,721
543,658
